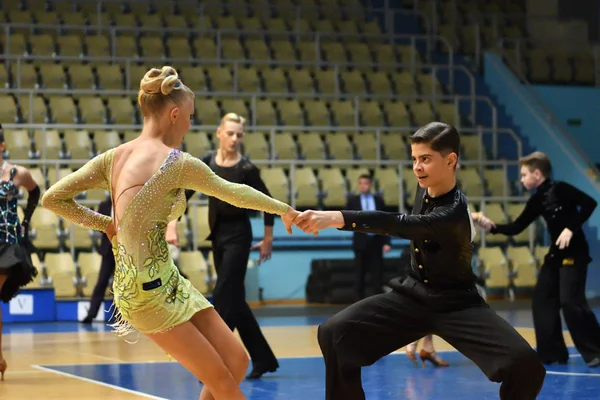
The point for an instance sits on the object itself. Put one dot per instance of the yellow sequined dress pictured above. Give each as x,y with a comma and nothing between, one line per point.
149,293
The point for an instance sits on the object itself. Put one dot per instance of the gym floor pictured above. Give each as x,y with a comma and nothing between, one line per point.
69,360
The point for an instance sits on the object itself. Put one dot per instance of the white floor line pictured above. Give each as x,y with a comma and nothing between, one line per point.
148,396
572,373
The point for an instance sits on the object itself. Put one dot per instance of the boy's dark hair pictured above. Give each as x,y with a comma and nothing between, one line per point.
365,176
441,137
537,160
1,134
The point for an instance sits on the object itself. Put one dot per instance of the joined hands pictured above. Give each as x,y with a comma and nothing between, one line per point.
483,221
311,221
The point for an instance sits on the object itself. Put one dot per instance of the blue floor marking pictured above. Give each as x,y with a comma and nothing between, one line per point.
303,378
391,377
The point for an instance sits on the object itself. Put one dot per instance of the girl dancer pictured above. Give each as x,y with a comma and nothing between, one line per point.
147,178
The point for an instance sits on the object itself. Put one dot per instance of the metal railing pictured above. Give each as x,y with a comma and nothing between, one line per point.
292,165
115,33
457,13
515,51
546,113
386,14
272,134
520,47
319,40
15,63
488,25
356,101
433,11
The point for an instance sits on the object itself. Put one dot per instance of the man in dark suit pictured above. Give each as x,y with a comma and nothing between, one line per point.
107,267
368,248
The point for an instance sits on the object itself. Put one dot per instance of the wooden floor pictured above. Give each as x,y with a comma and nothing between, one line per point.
25,352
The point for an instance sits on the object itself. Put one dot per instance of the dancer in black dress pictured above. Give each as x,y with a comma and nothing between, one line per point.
16,267
231,236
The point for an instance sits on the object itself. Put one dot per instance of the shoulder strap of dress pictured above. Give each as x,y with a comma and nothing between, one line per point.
13,173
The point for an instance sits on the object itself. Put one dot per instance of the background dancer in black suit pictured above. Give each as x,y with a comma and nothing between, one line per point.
562,278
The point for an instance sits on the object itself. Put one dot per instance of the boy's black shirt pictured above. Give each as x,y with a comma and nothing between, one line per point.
441,232
562,206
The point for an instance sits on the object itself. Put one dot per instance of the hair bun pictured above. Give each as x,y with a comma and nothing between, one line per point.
162,81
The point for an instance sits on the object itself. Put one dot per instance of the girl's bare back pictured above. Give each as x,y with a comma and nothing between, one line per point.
134,164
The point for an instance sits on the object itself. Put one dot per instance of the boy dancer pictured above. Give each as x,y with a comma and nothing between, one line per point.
561,280
438,296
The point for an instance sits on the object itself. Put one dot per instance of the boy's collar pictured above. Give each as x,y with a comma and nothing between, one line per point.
442,198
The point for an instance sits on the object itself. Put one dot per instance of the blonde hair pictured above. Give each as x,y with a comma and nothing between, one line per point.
233,117
158,87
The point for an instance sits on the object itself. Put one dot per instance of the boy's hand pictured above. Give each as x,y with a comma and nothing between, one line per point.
564,239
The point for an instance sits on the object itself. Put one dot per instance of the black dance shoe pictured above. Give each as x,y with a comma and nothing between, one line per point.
258,372
595,362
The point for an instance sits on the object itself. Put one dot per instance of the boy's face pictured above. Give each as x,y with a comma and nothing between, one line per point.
364,185
430,167
530,179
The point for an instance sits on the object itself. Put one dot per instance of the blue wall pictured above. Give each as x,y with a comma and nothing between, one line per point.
577,103
526,112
